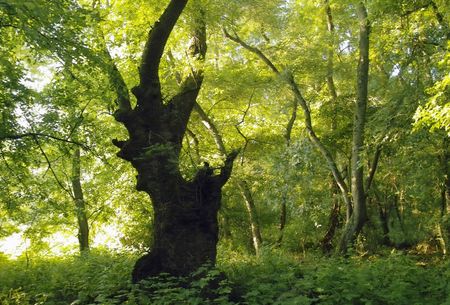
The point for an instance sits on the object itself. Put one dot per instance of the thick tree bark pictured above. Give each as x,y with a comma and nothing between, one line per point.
80,204
185,232
358,218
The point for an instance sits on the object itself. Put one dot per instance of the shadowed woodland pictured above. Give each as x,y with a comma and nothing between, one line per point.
224,152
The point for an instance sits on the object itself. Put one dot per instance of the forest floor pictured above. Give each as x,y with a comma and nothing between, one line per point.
273,278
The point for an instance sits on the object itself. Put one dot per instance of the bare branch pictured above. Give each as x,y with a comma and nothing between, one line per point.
37,134
51,168
254,50
211,126
289,79
373,168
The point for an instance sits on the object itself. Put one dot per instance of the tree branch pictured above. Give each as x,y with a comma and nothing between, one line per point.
373,168
291,122
254,50
289,79
119,85
37,134
51,168
226,169
211,126
181,105
156,42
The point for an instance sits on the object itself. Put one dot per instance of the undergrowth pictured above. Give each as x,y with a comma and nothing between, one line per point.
273,278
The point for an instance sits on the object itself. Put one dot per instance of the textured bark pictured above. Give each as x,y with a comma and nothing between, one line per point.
80,204
358,218
185,226
185,232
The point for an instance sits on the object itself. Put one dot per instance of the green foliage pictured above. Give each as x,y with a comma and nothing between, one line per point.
205,286
57,281
54,64
274,278
394,279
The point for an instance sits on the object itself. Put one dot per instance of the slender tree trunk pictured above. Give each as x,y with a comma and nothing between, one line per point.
80,204
444,225
384,208
358,218
253,216
333,222
284,195
185,232
225,231
356,200
283,218
348,203
294,87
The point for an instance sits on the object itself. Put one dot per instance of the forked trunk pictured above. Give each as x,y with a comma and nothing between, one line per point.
185,230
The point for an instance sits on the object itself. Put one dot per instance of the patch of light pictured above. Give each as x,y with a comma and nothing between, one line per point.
26,120
62,243
108,236
345,47
14,245
395,70
40,77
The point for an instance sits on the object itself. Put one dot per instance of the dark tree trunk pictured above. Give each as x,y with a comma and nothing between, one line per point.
185,230
384,219
385,205
80,204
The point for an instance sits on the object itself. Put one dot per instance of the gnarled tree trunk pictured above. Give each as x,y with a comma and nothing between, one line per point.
185,230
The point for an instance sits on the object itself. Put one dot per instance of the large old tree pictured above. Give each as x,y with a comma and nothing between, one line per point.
185,230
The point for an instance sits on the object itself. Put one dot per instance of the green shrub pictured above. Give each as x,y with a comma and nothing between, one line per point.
273,278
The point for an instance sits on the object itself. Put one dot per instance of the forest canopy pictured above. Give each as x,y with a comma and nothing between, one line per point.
204,145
